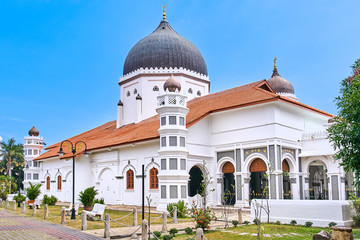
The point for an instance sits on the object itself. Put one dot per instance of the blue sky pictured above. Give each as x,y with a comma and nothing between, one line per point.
60,61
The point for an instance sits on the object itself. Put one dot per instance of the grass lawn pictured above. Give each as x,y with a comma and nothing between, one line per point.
266,229
55,217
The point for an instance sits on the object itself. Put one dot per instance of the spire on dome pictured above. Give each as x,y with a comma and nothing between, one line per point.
34,132
275,71
164,14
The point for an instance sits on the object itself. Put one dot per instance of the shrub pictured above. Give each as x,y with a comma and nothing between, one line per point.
101,201
188,230
181,208
235,222
202,217
33,191
355,205
255,221
21,199
332,224
49,200
308,224
173,231
246,222
167,237
277,223
293,222
157,234
87,196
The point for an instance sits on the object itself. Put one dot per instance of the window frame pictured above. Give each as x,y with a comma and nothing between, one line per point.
154,180
130,179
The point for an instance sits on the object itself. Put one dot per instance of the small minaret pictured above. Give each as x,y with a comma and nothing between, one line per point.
32,149
173,176
120,114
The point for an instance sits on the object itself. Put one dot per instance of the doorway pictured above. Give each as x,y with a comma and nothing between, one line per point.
258,180
228,197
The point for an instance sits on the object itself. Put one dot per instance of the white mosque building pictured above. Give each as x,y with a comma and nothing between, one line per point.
168,121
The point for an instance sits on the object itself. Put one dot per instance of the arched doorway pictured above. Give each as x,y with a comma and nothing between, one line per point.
258,181
195,181
318,182
107,188
229,184
286,180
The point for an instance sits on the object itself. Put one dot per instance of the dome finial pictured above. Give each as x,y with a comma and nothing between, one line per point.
164,14
275,71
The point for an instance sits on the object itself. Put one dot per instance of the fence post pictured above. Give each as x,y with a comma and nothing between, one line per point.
46,212
199,234
63,216
175,214
23,207
240,216
144,230
7,203
83,220
164,222
34,210
14,205
135,219
1,202
107,226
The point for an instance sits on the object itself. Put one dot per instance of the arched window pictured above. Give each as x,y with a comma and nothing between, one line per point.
128,94
190,91
48,183
155,88
59,182
130,179
135,91
154,181
198,93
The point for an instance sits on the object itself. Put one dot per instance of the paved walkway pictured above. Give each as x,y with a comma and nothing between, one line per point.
15,226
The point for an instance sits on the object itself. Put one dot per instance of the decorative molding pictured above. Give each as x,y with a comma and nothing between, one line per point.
288,150
246,180
119,177
306,180
314,135
249,151
219,180
342,179
292,180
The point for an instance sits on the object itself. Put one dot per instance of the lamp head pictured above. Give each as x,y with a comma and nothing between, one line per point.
86,153
61,152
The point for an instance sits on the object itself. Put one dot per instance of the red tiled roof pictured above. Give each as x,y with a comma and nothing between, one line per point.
108,135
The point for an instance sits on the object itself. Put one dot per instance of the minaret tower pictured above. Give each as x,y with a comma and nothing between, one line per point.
173,176
32,149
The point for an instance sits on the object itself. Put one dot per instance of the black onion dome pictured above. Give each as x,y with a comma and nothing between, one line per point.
280,84
34,132
167,49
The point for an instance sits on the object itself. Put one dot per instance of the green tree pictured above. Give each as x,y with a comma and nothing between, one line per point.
13,155
345,132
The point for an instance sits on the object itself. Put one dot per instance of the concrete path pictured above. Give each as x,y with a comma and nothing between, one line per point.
15,226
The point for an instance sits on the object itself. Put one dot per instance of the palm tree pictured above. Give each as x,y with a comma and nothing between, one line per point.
13,155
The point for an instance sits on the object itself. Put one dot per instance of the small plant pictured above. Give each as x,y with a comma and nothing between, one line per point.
181,208
173,231
202,217
33,191
308,224
167,237
21,199
332,224
235,223
101,201
355,205
293,222
188,230
246,222
87,197
157,234
49,200
255,221
277,223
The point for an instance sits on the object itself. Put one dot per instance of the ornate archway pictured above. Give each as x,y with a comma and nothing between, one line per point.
228,184
286,179
258,181
318,181
195,181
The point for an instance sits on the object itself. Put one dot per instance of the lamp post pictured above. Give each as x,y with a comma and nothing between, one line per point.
73,151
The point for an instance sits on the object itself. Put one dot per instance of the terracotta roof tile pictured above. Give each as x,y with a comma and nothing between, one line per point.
108,135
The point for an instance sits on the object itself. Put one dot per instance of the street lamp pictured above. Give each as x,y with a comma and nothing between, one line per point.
73,151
